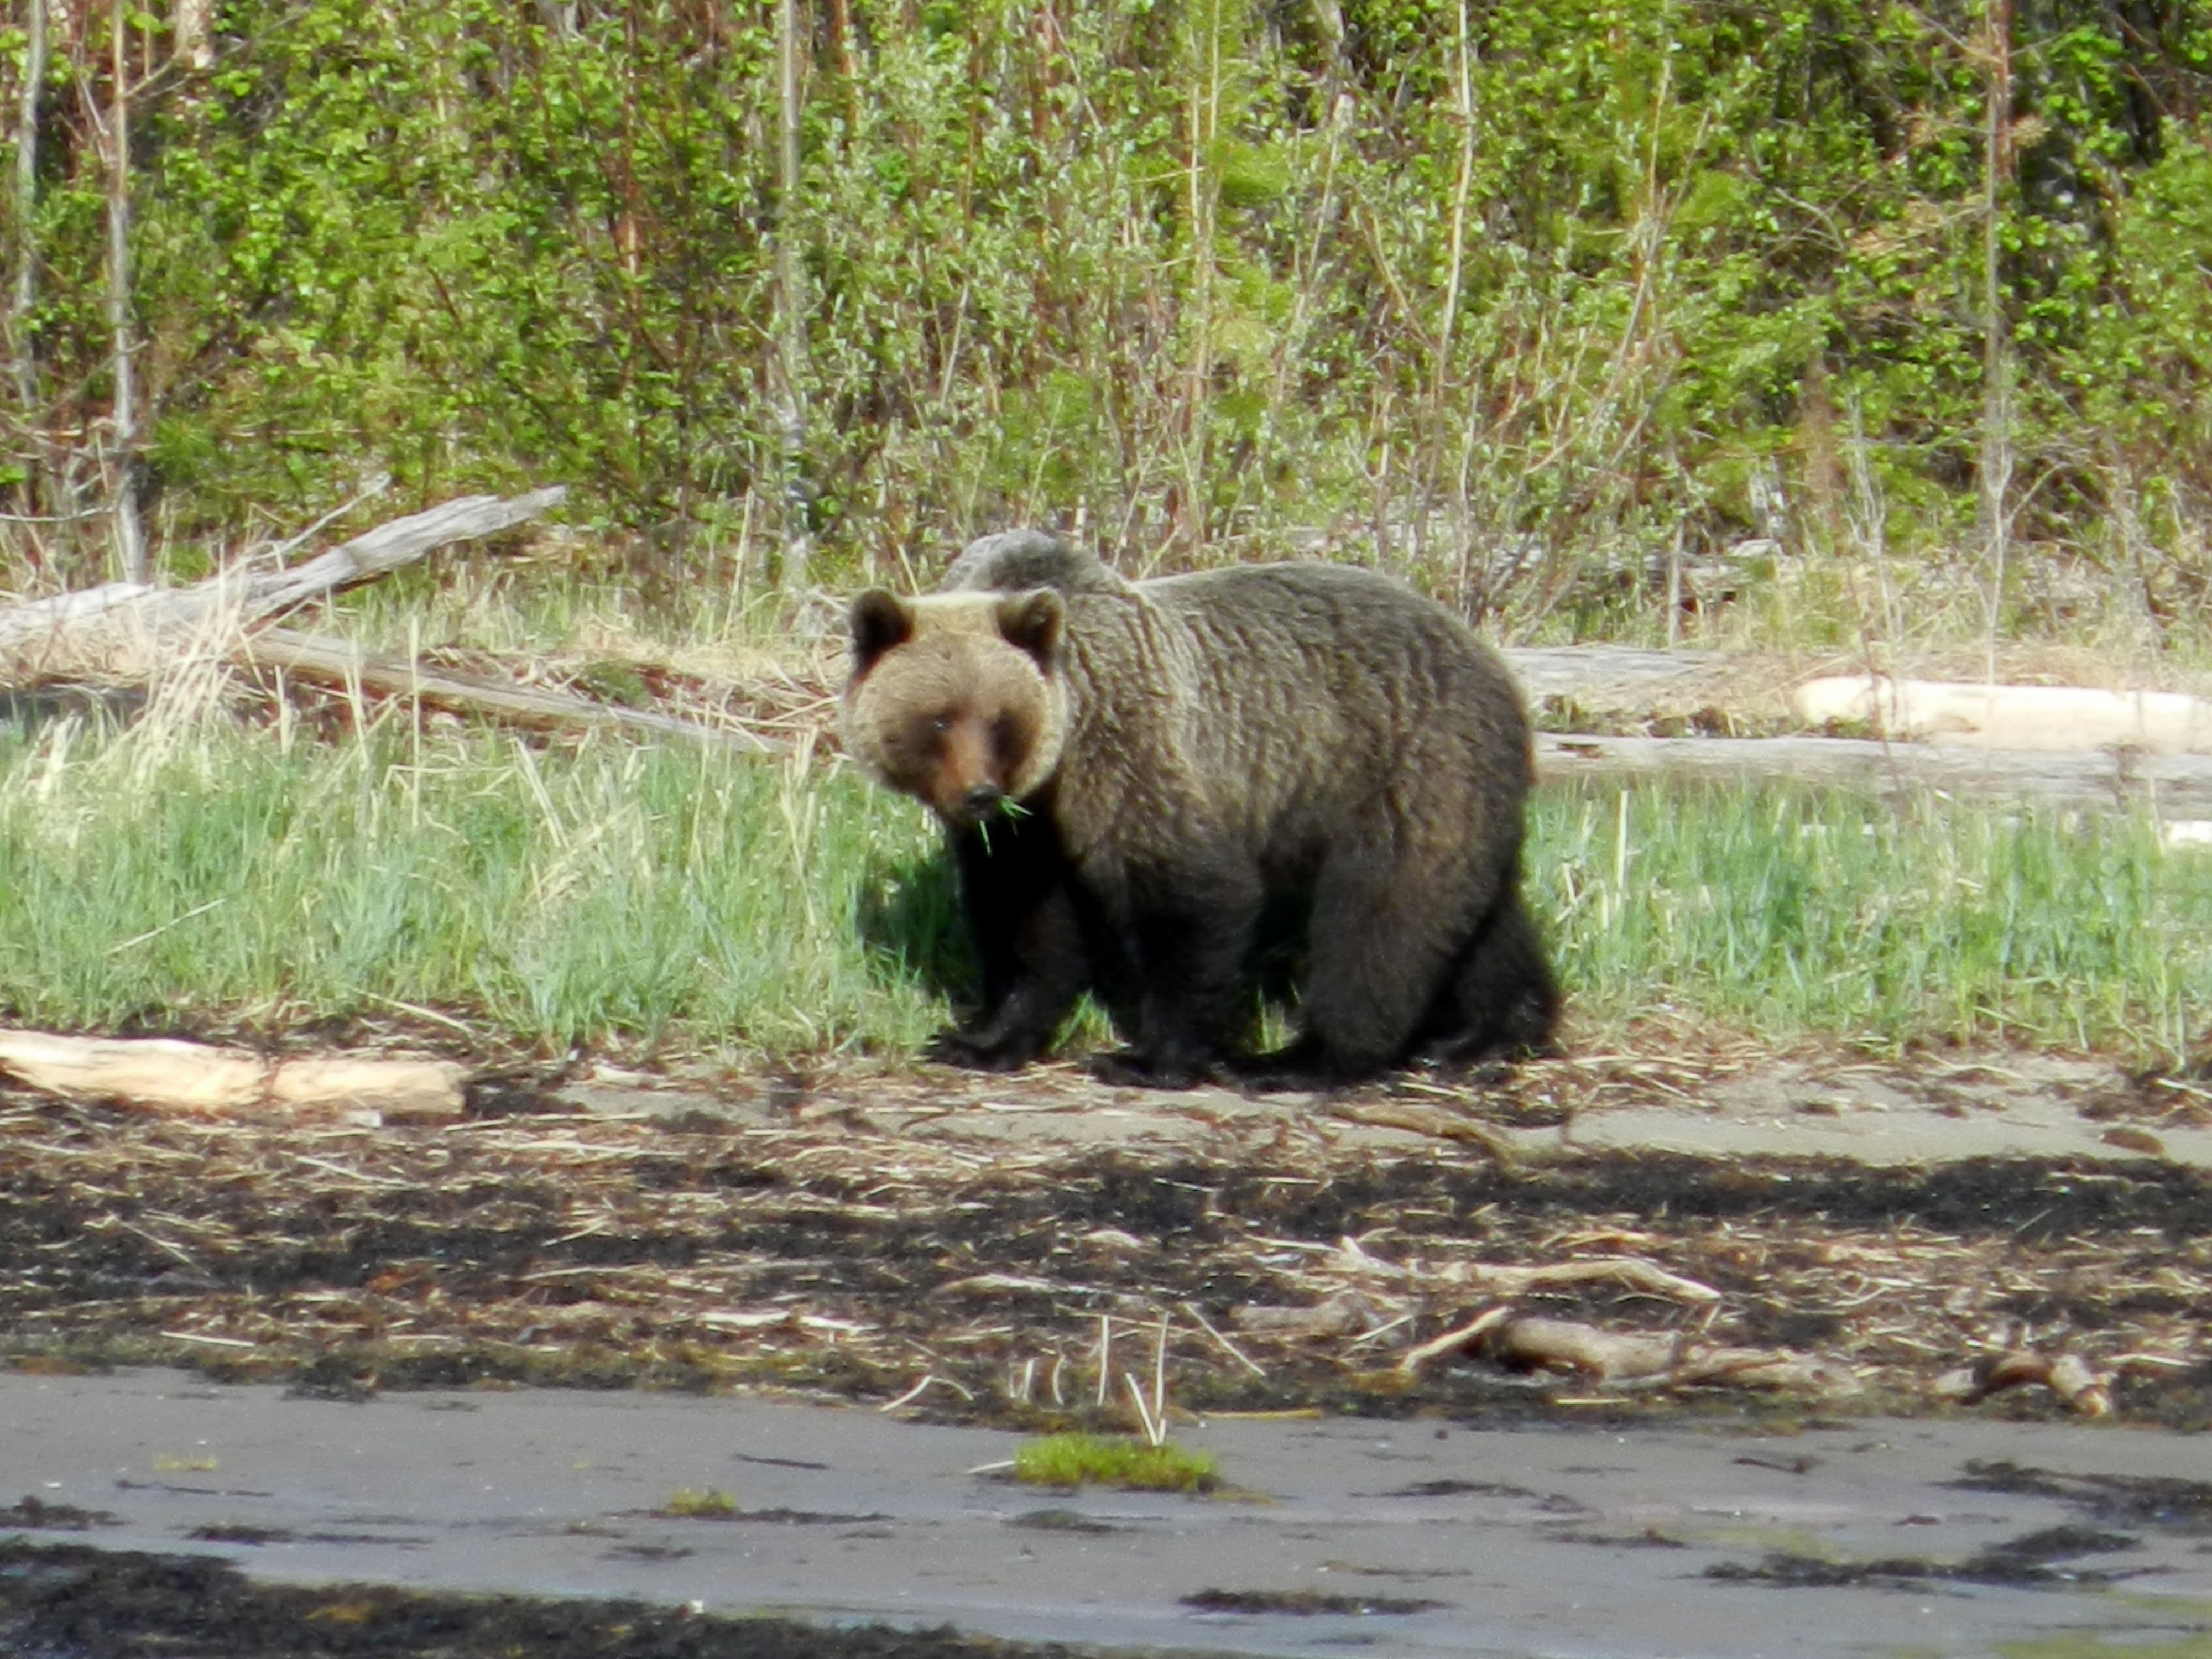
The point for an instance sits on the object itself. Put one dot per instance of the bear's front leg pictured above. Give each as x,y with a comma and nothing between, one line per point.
1029,945
1188,936
1045,968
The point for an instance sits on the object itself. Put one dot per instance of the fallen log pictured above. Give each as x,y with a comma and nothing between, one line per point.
340,663
244,601
162,1074
63,611
1612,676
2012,716
2178,784
46,626
391,545
1629,1358
1533,1342
2068,1376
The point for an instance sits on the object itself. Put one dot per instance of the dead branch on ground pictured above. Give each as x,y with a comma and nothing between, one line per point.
48,628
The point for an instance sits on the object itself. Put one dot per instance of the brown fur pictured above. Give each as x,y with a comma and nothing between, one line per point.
949,701
1195,751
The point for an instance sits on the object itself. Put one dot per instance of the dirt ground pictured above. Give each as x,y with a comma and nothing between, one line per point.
1584,1238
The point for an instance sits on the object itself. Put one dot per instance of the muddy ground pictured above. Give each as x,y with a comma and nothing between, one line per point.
1678,1251
466,1524
1617,1236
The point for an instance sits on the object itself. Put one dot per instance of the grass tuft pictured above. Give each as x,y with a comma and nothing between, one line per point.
1081,1459
698,1503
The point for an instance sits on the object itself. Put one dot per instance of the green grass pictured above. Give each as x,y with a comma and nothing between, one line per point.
1789,914
618,893
674,899
1080,1460
694,1502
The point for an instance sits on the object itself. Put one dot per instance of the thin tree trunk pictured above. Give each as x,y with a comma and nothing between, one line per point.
188,36
790,319
1441,384
1824,473
25,364
848,74
130,542
1997,459
1205,195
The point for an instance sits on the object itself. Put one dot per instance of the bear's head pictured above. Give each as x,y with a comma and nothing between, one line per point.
955,698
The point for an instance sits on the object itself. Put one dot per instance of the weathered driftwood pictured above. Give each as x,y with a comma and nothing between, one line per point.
1427,1120
258,596
1608,674
161,1074
2012,716
344,665
2068,1376
1668,1359
242,601
1628,1273
51,618
2178,784
391,545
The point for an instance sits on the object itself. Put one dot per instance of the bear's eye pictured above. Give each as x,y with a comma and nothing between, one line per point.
939,725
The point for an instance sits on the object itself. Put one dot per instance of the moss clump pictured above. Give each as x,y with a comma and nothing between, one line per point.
1078,1460
707,1504
614,682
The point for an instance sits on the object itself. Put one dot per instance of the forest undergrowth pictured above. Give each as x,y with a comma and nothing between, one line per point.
1885,320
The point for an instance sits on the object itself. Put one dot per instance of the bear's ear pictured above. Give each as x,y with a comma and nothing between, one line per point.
880,621
1031,621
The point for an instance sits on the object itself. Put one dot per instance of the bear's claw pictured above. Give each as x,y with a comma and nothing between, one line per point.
954,1048
1131,1069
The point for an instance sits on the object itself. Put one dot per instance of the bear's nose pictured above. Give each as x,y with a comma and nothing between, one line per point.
981,799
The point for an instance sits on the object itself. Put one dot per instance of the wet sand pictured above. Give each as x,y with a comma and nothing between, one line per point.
1716,1541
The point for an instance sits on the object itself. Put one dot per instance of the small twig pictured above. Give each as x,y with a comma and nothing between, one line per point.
1425,1120
911,1393
1160,1373
340,1170
156,932
77,517
1383,1330
166,1246
1451,1341
282,550
418,1011
1629,1272
2148,1362
1226,1345
1154,1433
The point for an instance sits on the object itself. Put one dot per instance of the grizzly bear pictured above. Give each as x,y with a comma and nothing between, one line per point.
1135,776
